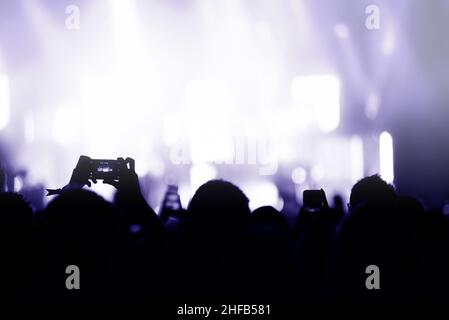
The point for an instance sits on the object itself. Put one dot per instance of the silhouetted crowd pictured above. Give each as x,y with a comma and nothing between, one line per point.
218,249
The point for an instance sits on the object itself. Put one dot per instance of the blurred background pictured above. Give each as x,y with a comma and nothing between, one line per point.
275,96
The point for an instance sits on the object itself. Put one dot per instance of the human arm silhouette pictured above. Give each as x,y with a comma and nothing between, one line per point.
79,178
130,201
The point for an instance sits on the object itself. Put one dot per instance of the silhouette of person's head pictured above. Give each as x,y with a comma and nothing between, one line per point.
81,228
16,213
412,209
81,217
218,206
266,258
376,233
267,216
372,190
16,227
338,204
213,231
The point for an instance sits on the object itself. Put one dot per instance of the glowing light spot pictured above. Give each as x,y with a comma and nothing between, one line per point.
341,31
386,156
388,43
321,95
18,184
299,175
317,173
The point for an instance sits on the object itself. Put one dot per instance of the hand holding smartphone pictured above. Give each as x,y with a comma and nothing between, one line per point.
314,201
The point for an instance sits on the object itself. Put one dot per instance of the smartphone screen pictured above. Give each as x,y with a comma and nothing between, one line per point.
102,169
313,200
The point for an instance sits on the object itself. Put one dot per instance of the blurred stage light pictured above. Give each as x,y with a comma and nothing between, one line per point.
299,175
207,119
4,101
18,184
317,173
341,31
356,158
66,125
172,128
262,193
200,174
112,116
185,194
319,94
386,156
28,127
127,36
388,43
241,67
154,165
372,105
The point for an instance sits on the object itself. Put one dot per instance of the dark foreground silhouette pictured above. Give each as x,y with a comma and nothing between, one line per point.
217,248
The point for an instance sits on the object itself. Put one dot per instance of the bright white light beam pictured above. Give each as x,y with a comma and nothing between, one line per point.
4,101
386,156
321,93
